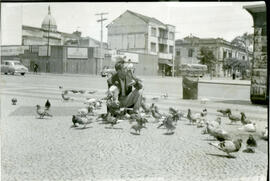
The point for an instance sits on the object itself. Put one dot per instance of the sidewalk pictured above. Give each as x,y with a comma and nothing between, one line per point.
204,80
224,81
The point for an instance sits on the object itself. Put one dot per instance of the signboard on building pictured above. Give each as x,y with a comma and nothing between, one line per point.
127,56
13,50
76,52
43,51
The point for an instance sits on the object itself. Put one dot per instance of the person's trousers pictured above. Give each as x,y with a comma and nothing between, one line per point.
133,99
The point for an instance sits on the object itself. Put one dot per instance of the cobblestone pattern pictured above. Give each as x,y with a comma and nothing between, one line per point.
48,149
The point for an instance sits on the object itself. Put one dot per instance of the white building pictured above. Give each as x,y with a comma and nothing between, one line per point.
134,32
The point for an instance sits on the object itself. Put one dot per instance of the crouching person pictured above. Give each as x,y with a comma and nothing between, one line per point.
129,88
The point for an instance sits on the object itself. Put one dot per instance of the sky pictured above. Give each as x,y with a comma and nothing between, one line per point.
202,19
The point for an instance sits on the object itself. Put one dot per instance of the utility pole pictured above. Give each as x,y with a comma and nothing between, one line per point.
101,36
46,67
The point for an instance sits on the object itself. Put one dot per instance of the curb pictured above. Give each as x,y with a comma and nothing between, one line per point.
225,83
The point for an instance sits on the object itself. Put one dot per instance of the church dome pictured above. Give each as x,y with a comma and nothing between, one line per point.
49,22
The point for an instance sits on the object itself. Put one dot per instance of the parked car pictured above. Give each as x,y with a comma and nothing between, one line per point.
107,71
13,67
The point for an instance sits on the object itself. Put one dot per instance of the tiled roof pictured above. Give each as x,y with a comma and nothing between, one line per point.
147,19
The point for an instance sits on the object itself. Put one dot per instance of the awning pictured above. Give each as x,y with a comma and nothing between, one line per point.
165,61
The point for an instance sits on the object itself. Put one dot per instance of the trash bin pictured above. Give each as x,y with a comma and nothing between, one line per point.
190,87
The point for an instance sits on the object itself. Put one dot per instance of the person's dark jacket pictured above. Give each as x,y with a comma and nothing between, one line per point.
115,80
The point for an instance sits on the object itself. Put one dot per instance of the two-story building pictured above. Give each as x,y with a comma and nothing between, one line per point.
134,32
187,51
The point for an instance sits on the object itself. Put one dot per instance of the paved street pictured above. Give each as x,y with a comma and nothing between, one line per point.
48,149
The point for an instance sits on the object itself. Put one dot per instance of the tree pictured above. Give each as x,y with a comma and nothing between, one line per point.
243,41
207,57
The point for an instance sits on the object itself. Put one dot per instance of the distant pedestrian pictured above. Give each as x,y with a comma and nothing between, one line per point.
35,68
233,75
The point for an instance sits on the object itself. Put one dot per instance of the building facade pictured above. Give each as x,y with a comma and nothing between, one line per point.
134,32
187,51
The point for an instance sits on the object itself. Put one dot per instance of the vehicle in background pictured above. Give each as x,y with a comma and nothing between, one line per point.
193,70
13,67
107,71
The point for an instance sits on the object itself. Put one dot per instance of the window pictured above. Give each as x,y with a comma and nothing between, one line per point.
230,55
153,47
178,53
243,57
171,36
163,33
163,48
224,54
171,49
153,31
190,53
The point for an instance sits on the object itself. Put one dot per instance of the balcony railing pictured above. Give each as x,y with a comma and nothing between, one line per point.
162,40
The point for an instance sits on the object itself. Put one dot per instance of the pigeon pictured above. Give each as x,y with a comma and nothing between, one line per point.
169,124
243,119
224,112
216,123
142,121
102,117
204,112
248,127
204,100
176,114
155,98
264,134
192,118
200,123
83,112
74,91
92,92
218,120
164,96
80,120
90,101
47,105
145,108
137,127
251,142
233,118
156,115
228,146
98,104
219,134
14,101
42,113
111,120
65,98
82,91
249,150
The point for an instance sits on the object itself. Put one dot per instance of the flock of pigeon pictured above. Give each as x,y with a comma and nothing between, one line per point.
115,114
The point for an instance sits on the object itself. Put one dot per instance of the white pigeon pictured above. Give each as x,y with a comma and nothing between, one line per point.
228,146
216,123
83,112
155,98
204,100
248,127
90,101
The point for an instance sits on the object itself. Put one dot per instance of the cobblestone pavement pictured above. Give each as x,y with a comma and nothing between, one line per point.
48,149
